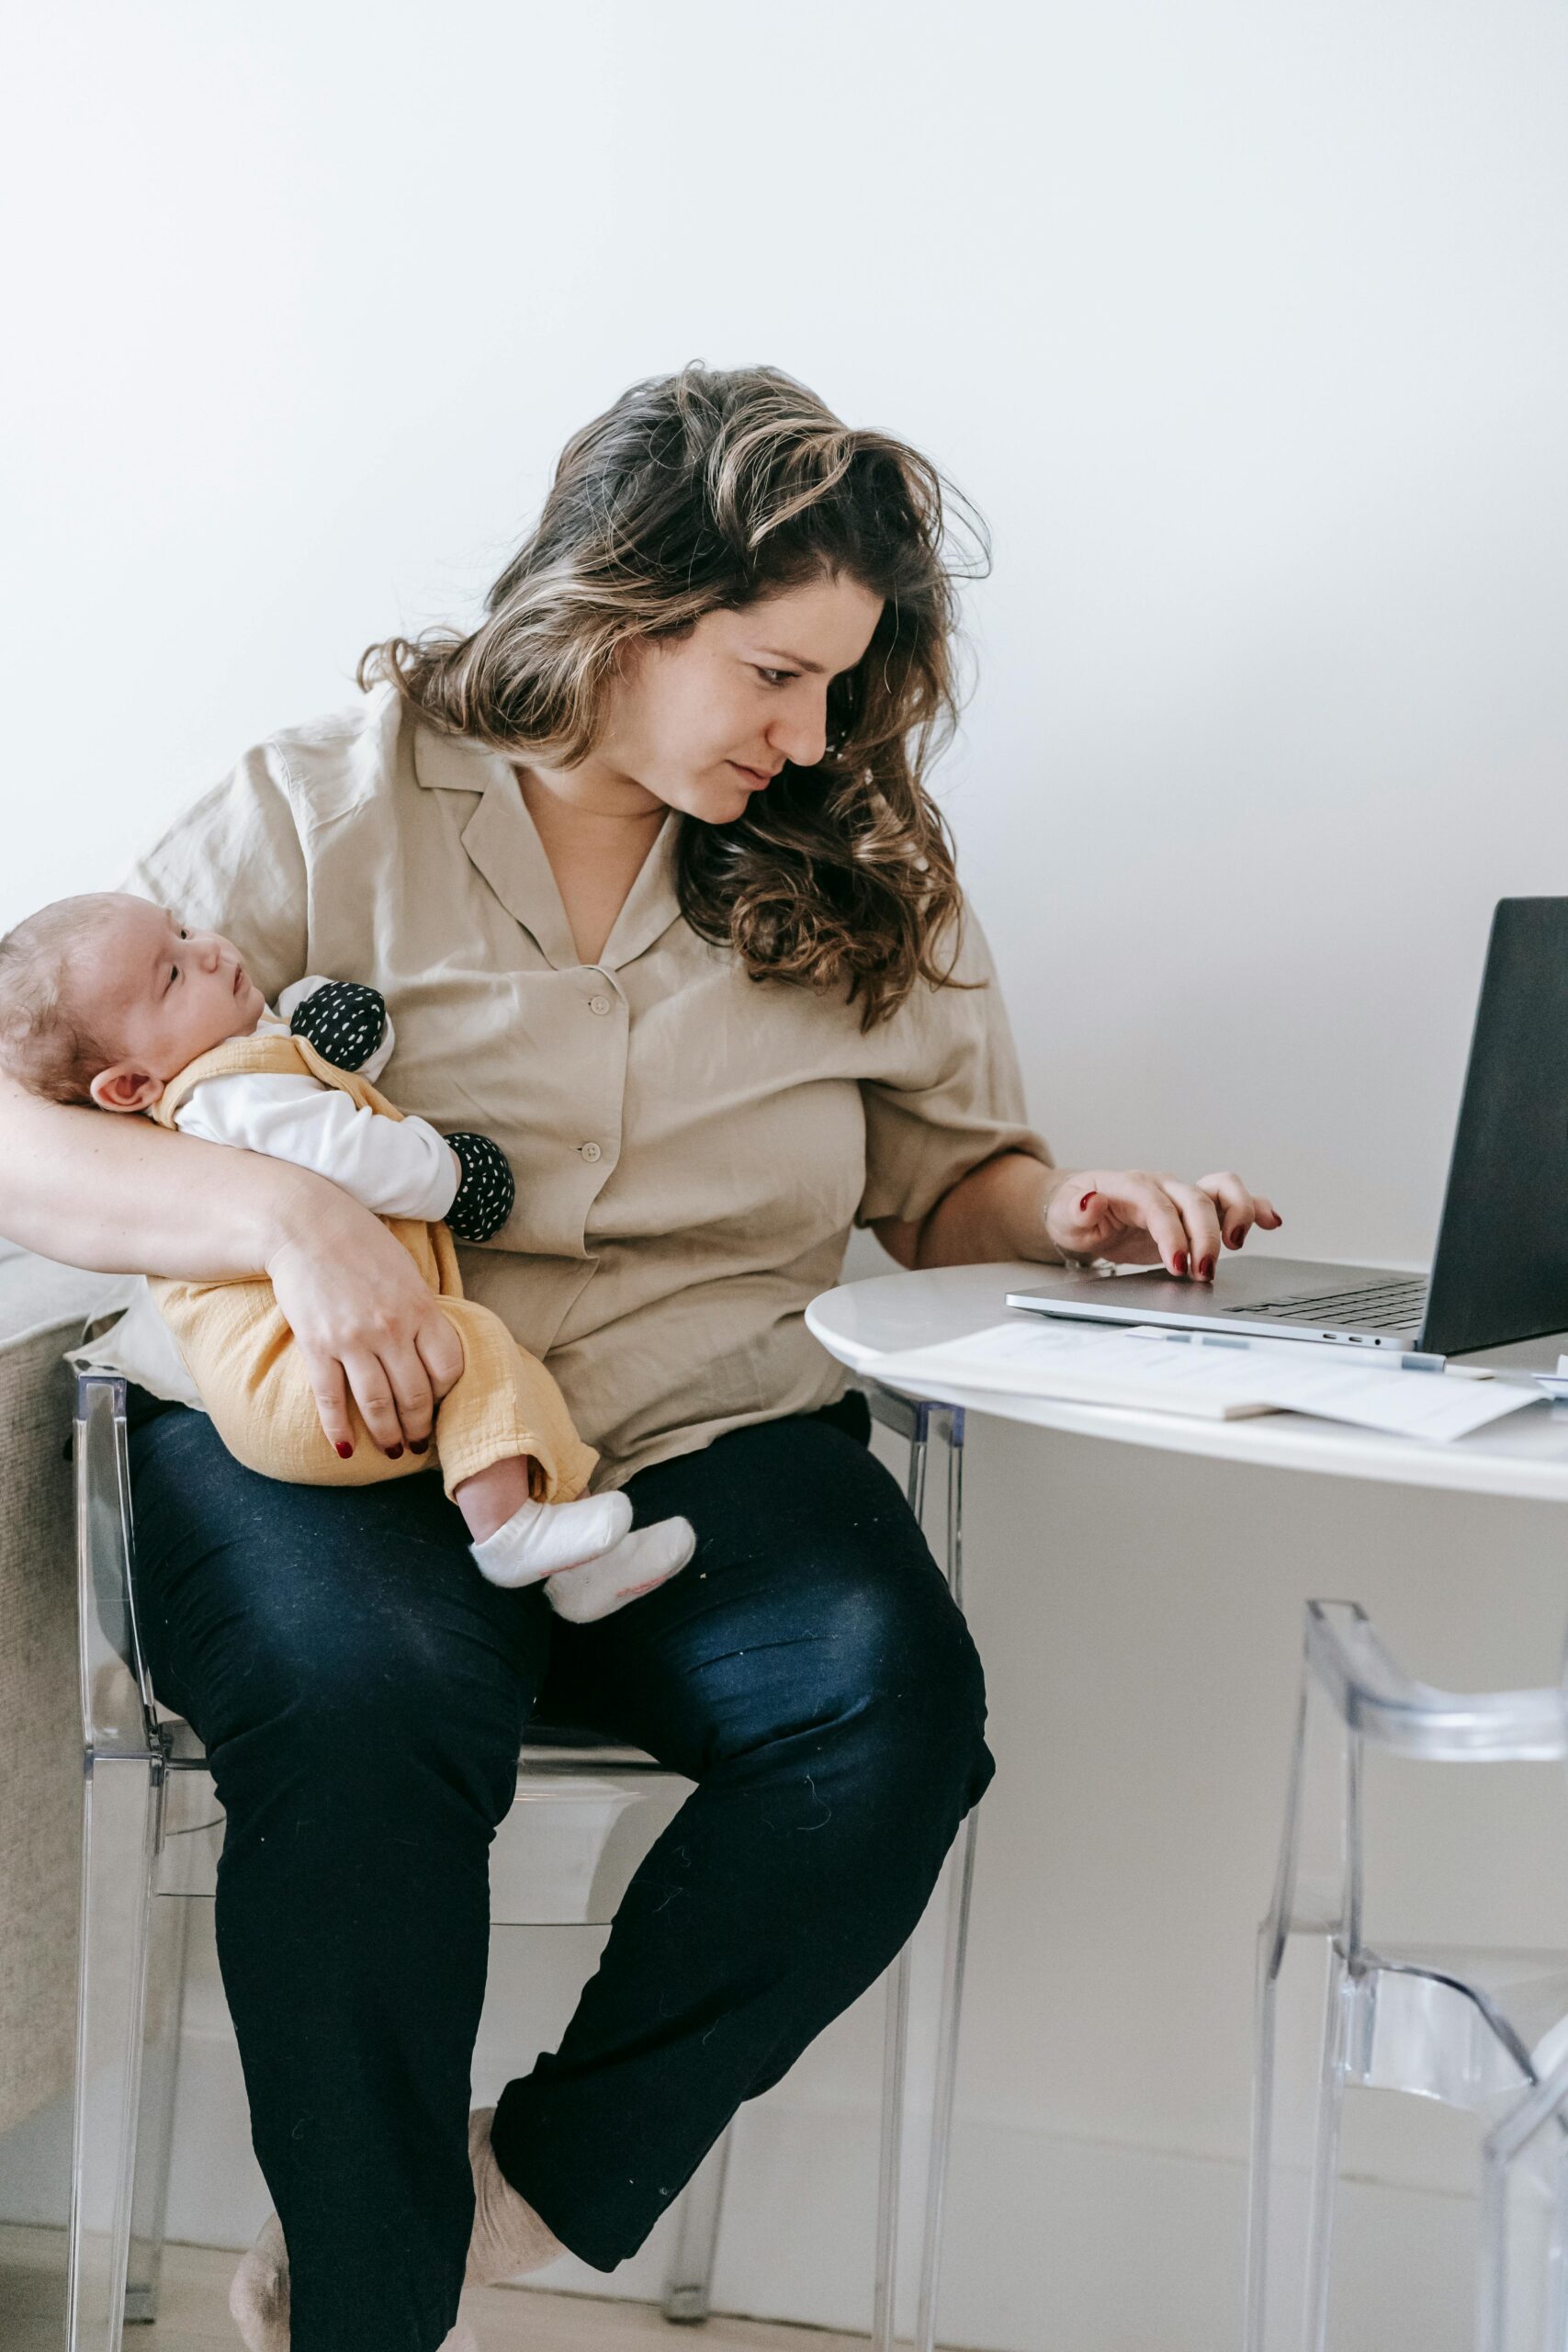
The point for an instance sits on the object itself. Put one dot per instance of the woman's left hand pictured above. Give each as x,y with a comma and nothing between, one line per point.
1133,1218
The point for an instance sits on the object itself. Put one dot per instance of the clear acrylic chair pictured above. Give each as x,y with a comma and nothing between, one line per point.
1482,2029
586,1812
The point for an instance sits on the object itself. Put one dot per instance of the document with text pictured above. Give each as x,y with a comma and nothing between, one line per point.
1145,1371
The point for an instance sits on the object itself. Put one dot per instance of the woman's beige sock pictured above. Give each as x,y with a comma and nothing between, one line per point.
258,2298
509,2236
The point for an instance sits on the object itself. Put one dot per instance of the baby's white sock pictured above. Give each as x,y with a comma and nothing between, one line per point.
648,1556
540,1538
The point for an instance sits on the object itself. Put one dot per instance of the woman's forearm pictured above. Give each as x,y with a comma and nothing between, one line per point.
1014,1206
119,1195
996,1212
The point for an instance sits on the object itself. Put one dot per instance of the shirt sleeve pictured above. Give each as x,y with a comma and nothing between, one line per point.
397,1167
951,1095
234,863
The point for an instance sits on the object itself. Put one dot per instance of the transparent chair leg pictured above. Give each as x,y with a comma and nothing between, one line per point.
1298,2100
946,2080
1522,2272
895,2039
119,1821
890,2176
166,1937
955,1504
688,2291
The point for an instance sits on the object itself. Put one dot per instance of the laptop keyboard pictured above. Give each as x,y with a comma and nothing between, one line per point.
1377,1307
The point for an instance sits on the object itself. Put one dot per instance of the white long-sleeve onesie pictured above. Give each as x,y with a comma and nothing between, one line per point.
396,1166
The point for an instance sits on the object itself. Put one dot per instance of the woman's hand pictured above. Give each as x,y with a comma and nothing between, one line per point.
1132,1219
366,1323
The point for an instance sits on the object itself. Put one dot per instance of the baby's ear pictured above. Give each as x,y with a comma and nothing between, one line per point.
125,1088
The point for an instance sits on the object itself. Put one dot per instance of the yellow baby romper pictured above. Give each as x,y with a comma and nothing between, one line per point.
242,1355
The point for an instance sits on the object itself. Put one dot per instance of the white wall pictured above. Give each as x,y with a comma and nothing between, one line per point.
1246,330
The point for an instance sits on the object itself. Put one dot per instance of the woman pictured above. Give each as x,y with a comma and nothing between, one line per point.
647,871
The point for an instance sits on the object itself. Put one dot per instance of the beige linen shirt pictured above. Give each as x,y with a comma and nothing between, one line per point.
690,1147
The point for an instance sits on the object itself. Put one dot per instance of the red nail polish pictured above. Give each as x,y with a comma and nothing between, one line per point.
1085,1201
1206,1270
344,1448
419,1446
1236,1238
1178,1264
394,1453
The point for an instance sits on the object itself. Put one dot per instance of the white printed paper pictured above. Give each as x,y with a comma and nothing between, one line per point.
1182,1375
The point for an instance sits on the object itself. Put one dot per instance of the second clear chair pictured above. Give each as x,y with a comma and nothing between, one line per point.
1339,2009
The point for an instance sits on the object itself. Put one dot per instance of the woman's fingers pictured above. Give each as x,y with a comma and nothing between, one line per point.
331,1391
368,1379
1239,1209
412,1394
1201,1219
441,1351
1131,1217
362,1314
1141,1201
1121,1214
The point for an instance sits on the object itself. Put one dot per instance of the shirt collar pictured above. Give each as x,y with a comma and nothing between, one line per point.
503,843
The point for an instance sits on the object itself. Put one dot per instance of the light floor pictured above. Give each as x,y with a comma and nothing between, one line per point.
194,2313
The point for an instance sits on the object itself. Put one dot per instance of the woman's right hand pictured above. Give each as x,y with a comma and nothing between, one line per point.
366,1323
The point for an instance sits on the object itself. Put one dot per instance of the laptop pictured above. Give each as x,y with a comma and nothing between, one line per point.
1500,1272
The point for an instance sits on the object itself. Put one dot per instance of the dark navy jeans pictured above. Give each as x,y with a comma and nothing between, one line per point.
362,1691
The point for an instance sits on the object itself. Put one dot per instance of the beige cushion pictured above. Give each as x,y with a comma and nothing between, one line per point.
41,1312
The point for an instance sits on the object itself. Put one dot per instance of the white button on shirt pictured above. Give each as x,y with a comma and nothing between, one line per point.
739,1128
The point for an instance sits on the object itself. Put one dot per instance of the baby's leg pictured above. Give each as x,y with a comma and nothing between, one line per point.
516,1469
587,1553
488,1499
517,1540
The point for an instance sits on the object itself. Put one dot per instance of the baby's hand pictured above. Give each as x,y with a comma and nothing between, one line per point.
342,1020
488,1190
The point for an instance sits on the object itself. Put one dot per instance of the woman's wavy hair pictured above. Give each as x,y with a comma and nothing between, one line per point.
705,490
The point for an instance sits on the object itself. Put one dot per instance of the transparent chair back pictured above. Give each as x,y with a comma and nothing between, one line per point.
586,1812
1340,2008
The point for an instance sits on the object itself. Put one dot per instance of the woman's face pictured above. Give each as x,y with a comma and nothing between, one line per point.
701,724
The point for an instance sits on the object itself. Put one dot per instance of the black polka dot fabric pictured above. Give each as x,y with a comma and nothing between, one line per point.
486,1195
343,1022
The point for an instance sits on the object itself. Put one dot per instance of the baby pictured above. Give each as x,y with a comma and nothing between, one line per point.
111,1001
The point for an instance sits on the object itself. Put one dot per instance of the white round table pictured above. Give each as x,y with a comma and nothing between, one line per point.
1525,1454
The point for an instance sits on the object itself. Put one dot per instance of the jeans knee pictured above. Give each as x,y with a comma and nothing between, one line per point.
364,1711
907,1671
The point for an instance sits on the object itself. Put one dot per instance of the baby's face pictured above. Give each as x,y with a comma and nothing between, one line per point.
159,993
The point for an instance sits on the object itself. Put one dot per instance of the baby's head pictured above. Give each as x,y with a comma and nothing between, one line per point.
104,998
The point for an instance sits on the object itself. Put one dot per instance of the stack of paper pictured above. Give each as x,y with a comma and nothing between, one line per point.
1178,1375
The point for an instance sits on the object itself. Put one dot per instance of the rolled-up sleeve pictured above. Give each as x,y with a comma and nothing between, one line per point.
234,863
951,1096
